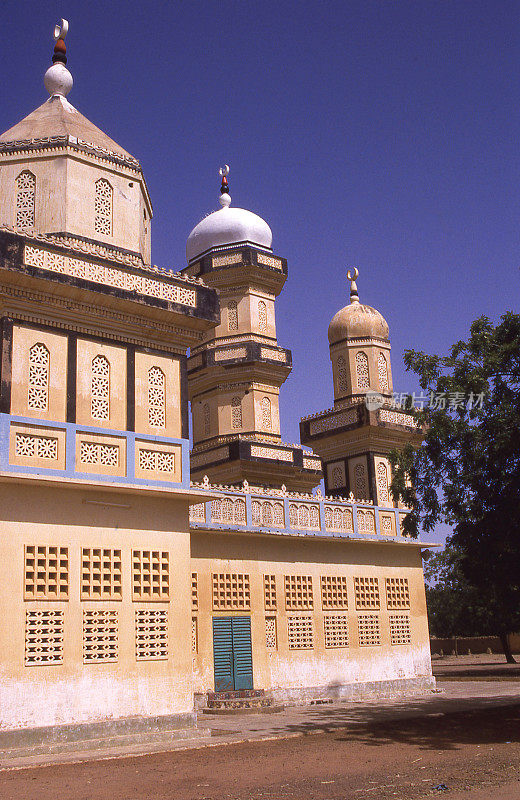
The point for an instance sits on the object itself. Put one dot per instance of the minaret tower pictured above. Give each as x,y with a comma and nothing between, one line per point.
63,177
236,374
355,437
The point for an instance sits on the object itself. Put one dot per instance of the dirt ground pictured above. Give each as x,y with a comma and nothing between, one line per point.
465,755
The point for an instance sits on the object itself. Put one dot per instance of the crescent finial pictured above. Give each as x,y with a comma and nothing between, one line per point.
60,31
224,171
353,274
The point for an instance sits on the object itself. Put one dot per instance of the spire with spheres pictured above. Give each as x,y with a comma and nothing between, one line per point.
57,79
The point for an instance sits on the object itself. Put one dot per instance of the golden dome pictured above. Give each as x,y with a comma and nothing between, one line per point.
357,321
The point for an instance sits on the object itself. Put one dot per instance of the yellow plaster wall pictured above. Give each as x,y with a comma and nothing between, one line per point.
171,370
284,668
75,692
56,343
87,351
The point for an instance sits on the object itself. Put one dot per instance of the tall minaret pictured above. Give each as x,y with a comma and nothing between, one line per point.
355,437
63,177
236,374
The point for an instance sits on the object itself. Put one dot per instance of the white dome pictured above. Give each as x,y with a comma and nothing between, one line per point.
228,226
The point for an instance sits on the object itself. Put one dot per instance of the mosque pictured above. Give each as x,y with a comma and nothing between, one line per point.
142,580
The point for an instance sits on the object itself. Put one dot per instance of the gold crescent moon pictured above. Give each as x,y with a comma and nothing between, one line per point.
353,274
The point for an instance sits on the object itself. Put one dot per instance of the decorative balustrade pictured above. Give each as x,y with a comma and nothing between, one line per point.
292,513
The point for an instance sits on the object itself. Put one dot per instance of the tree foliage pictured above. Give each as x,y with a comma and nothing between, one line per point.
467,470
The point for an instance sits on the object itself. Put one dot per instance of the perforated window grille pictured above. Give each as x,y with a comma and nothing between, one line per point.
156,461
298,593
369,630
262,316
366,592
362,370
382,369
382,481
231,591
333,592
267,513
150,575
266,413
269,592
106,455
43,638
100,574
270,633
366,521
228,510
338,519
337,478
397,593
194,635
342,374
336,630
198,512
103,207
156,397
151,635
194,591
386,526
232,315
38,389
360,482
29,446
46,573
25,199
299,633
400,632
236,412
207,419
100,636
100,390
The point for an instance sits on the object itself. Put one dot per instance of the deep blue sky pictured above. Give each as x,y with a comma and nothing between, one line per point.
377,133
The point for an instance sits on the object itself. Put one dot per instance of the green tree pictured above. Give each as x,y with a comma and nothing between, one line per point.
467,470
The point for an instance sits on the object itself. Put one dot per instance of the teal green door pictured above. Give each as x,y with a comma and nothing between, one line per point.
233,661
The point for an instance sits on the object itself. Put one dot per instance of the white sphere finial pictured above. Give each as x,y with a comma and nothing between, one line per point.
57,79
224,199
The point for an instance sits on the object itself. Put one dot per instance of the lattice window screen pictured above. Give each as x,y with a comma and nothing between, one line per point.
194,635
382,370
337,478
232,315
338,519
397,593
369,630
103,207
25,199
29,446
269,592
46,573
334,591
262,316
267,421
342,374
100,636
298,592
207,419
101,574
366,521
150,575
43,638
156,460
105,455
38,389
382,481
236,412
151,635
270,633
231,591
100,388
299,633
336,630
194,591
156,397
400,632
366,592
362,370
360,482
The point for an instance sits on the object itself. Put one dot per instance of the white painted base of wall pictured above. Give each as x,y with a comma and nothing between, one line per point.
371,690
